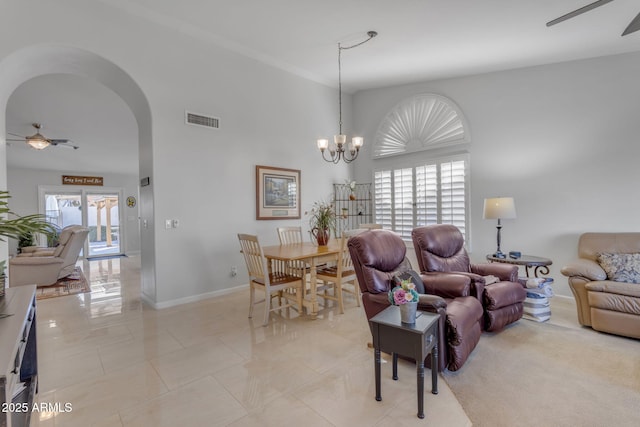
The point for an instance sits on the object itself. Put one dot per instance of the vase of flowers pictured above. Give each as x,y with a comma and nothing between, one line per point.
406,297
322,221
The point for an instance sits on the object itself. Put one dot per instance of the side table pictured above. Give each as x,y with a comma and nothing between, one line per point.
539,264
410,340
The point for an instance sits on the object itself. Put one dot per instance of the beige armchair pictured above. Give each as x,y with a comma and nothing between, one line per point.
45,266
605,304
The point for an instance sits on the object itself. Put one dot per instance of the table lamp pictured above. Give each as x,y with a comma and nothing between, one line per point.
499,208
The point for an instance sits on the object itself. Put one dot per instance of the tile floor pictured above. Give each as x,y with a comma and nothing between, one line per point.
121,363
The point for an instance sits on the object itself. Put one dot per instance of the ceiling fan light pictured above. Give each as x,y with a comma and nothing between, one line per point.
38,142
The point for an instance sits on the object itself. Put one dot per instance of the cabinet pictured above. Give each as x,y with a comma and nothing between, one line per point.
18,355
352,207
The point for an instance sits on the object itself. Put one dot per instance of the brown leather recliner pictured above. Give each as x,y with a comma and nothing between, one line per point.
440,248
379,255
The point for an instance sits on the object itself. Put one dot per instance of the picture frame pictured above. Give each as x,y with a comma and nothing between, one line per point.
277,193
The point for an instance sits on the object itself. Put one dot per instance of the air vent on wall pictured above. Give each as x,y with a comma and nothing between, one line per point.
201,120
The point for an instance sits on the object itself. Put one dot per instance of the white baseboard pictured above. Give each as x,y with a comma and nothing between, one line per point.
193,298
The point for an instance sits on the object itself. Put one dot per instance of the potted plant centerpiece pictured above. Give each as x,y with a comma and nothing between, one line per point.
322,221
15,227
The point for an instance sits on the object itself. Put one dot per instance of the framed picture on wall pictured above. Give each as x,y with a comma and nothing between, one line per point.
277,193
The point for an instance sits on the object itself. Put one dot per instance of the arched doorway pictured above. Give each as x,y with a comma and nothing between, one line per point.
43,59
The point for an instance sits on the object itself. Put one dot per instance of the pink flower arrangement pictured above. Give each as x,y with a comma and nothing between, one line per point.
404,293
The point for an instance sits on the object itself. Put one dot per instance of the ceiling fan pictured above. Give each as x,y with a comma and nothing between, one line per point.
40,142
632,27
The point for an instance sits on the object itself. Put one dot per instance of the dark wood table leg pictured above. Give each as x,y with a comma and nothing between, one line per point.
395,366
434,369
376,358
420,376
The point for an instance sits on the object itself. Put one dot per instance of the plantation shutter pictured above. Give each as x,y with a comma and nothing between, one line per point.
453,194
403,202
432,193
426,195
382,199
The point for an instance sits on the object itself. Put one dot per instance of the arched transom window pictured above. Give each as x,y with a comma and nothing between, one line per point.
419,123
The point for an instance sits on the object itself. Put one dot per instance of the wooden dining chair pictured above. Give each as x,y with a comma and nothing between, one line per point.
341,276
275,281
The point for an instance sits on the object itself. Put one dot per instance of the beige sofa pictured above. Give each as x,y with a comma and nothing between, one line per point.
44,267
606,305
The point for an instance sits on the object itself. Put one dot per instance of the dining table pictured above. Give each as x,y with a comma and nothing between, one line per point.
314,255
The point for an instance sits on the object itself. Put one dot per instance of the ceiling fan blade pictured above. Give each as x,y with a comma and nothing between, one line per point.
14,134
63,143
577,12
15,140
633,26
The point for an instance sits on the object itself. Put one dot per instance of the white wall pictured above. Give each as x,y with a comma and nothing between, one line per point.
562,139
204,178
23,184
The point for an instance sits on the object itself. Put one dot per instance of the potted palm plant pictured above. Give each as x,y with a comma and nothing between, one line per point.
322,221
14,227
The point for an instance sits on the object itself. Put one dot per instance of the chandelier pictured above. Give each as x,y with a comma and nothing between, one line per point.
339,150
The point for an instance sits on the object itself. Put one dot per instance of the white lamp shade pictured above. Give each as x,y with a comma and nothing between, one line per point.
323,144
499,208
357,142
339,139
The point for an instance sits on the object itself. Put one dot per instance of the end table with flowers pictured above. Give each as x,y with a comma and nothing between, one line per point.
406,297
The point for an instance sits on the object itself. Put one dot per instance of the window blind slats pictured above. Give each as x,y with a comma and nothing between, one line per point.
433,193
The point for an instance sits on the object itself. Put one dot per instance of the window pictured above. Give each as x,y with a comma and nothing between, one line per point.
434,192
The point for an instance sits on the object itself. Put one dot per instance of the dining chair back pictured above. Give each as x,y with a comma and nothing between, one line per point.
275,281
341,276
290,235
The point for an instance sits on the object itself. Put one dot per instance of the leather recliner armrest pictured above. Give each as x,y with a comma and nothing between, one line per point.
585,268
476,284
504,272
631,290
446,285
431,302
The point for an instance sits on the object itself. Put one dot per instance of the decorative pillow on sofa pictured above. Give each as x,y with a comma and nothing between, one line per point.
621,267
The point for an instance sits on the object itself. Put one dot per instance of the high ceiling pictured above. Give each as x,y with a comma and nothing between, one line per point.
419,40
